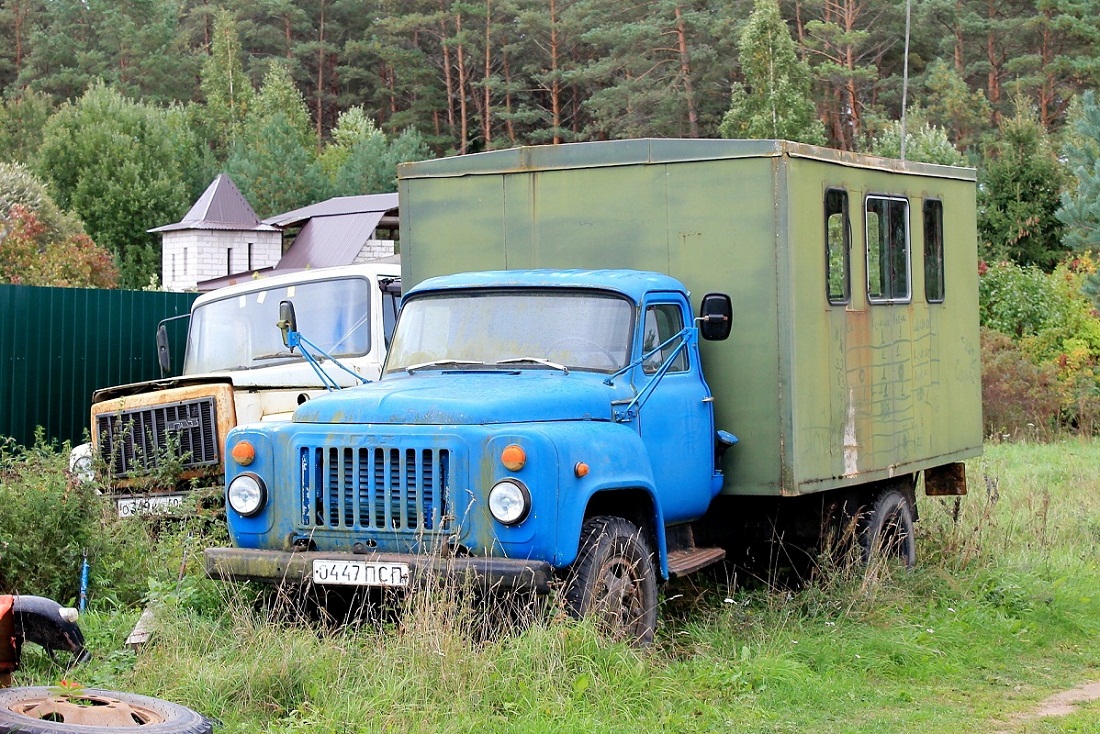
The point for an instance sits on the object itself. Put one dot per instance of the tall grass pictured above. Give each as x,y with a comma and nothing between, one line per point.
1002,610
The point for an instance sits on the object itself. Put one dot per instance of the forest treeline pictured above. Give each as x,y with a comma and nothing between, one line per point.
127,109
474,74
116,114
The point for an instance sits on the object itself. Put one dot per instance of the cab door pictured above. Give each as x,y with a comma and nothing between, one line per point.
676,422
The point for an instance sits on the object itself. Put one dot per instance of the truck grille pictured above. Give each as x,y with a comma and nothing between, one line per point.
374,488
132,441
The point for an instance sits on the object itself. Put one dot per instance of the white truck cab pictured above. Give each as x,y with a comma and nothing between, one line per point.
152,439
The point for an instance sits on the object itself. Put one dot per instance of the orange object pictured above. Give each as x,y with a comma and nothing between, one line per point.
9,659
244,453
513,457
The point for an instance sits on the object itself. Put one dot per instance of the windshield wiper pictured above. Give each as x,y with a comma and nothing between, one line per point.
274,355
444,363
535,360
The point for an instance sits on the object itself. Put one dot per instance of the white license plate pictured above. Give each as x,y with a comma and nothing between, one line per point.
130,506
361,573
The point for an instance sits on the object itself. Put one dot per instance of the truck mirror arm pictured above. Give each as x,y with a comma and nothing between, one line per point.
294,340
686,336
329,383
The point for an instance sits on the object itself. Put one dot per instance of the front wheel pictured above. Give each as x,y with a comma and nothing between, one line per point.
42,710
614,580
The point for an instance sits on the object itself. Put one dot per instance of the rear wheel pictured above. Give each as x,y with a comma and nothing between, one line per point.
886,532
614,580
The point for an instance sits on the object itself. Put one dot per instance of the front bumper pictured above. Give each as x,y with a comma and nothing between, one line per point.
245,564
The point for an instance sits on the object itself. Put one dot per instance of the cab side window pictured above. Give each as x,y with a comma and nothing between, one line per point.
662,322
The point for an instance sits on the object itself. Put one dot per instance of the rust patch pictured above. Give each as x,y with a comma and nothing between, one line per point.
944,481
224,411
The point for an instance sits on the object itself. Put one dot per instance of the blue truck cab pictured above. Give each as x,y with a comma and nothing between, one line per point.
527,424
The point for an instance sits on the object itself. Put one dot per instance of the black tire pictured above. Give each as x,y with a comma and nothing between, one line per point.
614,580
886,529
154,716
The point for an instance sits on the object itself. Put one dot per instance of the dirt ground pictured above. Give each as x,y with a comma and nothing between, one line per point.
1060,704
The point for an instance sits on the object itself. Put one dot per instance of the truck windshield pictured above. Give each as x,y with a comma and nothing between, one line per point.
575,329
240,332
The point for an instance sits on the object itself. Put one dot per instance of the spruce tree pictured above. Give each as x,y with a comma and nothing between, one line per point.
1019,191
774,100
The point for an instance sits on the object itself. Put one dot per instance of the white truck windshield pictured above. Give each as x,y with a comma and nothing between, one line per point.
573,329
239,332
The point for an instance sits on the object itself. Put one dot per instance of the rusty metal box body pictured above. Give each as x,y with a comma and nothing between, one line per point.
826,384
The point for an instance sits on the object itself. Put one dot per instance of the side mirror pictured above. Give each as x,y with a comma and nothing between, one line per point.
164,352
287,323
715,316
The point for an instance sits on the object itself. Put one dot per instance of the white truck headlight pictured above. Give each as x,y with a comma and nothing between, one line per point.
509,501
81,463
247,494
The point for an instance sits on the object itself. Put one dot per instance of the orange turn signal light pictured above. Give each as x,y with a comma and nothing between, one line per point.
513,457
243,453
580,469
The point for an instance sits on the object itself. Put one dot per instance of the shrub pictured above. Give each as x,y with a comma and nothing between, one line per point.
1019,397
1050,352
48,520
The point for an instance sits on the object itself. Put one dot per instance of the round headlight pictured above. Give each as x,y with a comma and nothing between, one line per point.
81,464
247,494
509,501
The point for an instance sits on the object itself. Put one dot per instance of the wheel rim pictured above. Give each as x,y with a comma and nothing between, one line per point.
86,710
619,598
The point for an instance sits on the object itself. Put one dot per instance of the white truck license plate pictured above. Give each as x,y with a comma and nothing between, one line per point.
130,506
360,573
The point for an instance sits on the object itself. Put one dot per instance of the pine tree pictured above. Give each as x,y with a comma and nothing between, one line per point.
225,87
274,159
774,100
923,142
1019,192
1080,209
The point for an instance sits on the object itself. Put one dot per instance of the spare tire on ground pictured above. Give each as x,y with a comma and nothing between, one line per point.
41,710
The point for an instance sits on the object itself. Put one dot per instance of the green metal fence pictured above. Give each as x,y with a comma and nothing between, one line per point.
58,345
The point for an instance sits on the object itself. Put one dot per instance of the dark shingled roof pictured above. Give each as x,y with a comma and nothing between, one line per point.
222,207
333,231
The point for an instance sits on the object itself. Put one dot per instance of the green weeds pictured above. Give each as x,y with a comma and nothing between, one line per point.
1002,610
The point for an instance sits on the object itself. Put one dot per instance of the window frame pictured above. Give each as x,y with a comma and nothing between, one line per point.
888,295
844,298
683,358
934,257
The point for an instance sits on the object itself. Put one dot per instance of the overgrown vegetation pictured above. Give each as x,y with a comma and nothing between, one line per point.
1001,612
1040,349
49,522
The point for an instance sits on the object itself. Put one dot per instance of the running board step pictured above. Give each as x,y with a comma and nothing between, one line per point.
690,560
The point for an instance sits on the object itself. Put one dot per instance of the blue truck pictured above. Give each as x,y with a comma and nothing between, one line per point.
539,426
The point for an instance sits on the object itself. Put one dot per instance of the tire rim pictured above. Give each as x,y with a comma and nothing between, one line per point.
619,597
86,710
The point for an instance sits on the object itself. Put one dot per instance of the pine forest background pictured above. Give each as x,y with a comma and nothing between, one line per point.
116,114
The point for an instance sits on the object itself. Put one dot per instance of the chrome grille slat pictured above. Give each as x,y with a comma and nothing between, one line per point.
130,441
376,488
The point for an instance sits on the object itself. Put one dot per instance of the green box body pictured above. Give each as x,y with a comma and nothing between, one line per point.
821,396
